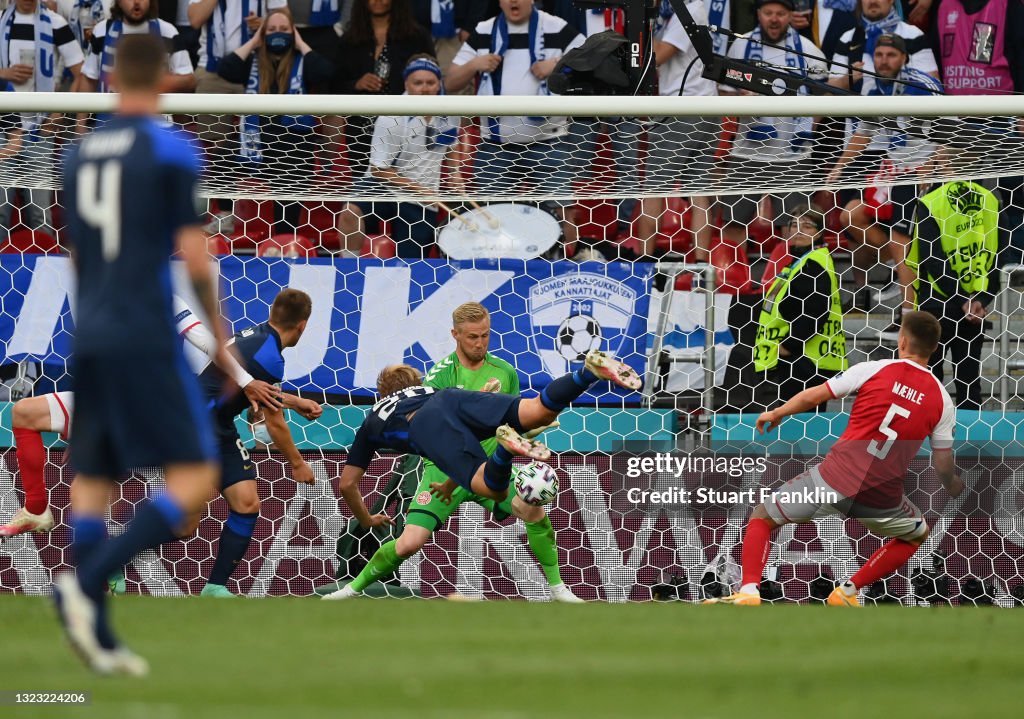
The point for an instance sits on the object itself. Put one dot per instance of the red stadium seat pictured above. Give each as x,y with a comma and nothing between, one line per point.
33,242
779,259
218,245
597,219
286,245
380,246
732,267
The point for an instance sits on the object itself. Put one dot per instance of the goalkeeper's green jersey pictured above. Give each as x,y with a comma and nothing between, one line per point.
449,372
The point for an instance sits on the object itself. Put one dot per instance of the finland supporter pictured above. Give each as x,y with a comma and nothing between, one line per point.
32,38
824,21
280,149
513,54
450,22
83,16
980,44
320,23
771,147
856,47
406,155
904,147
135,17
678,147
379,40
800,338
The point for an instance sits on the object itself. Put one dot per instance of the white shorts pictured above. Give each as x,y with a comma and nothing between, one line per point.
805,497
62,404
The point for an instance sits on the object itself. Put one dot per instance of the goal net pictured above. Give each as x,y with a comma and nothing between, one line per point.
675,234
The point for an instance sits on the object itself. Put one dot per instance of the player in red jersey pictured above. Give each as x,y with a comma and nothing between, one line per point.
899,404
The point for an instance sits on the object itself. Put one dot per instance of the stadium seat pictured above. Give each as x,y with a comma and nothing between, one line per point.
219,245
597,219
778,260
319,222
286,245
35,242
732,269
380,246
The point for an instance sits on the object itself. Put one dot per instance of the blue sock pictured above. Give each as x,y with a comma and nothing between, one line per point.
154,524
234,541
87,533
498,470
562,391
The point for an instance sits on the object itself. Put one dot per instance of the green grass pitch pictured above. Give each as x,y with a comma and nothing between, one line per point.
304,658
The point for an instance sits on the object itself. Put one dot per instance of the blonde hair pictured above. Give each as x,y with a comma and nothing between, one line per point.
469,312
395,378
278,76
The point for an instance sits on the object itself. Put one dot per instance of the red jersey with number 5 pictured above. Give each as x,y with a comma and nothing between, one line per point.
899,404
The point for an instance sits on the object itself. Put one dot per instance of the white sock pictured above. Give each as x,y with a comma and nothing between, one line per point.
848,588
750,589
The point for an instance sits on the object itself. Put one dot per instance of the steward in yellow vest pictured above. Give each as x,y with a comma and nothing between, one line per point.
800,340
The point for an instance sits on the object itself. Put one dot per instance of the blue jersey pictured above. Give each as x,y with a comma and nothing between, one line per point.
386,426
259,350
130,187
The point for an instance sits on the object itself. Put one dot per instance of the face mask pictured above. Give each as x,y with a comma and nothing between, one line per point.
279,42
261,433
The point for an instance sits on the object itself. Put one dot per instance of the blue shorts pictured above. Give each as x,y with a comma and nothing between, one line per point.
137,411
235,463
450,426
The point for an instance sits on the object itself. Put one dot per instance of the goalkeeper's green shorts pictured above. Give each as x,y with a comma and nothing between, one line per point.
431,513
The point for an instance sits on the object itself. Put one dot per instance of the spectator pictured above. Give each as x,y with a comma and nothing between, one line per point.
279,149
450,22
770,146
31,37
959,236
83,16
319,21
176,13
981,46
856,47
800,338
406,155
135,17
824,21
678,147
905,149
380,38
513,54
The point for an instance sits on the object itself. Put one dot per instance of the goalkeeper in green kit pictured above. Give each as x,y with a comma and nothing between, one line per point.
469,367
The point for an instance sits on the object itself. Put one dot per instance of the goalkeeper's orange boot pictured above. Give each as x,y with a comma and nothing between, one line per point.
606,367
839,598
742,599
518,445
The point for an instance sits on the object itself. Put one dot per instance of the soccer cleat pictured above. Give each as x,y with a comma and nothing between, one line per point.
562,593
518,445
125,661
78,616
604,366
742,599
24,521
218,591
345,592
839,598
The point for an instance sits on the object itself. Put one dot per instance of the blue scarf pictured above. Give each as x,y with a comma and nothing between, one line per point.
249,125
665,13
442,18
763,129
873,29
45,61
840,5
490,82
93,8
324,13
217,33
718,15
114,30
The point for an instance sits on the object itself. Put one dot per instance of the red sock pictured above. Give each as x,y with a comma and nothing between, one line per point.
890,556
31,462
756,543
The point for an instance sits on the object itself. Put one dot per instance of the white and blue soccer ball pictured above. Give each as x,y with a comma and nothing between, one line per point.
577,335
536,483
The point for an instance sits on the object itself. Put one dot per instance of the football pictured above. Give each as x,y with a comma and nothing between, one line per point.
536,483
578,335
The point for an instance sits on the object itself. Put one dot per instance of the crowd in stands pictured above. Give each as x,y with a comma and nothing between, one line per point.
511,47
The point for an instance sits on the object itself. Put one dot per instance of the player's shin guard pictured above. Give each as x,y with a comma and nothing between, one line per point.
155,523
382,564
560,392
756,543
31,464
541,537
498,470
234,542
890,556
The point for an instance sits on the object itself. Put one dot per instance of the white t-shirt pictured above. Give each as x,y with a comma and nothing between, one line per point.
780,148
178,61
557,38
670,74
413,147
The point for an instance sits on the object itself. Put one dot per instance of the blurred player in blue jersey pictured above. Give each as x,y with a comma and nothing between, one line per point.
259,349
130,189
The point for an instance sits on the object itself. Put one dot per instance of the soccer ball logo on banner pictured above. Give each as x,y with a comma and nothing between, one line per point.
574,313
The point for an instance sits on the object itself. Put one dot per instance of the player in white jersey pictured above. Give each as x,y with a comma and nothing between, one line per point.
899,404
32,416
